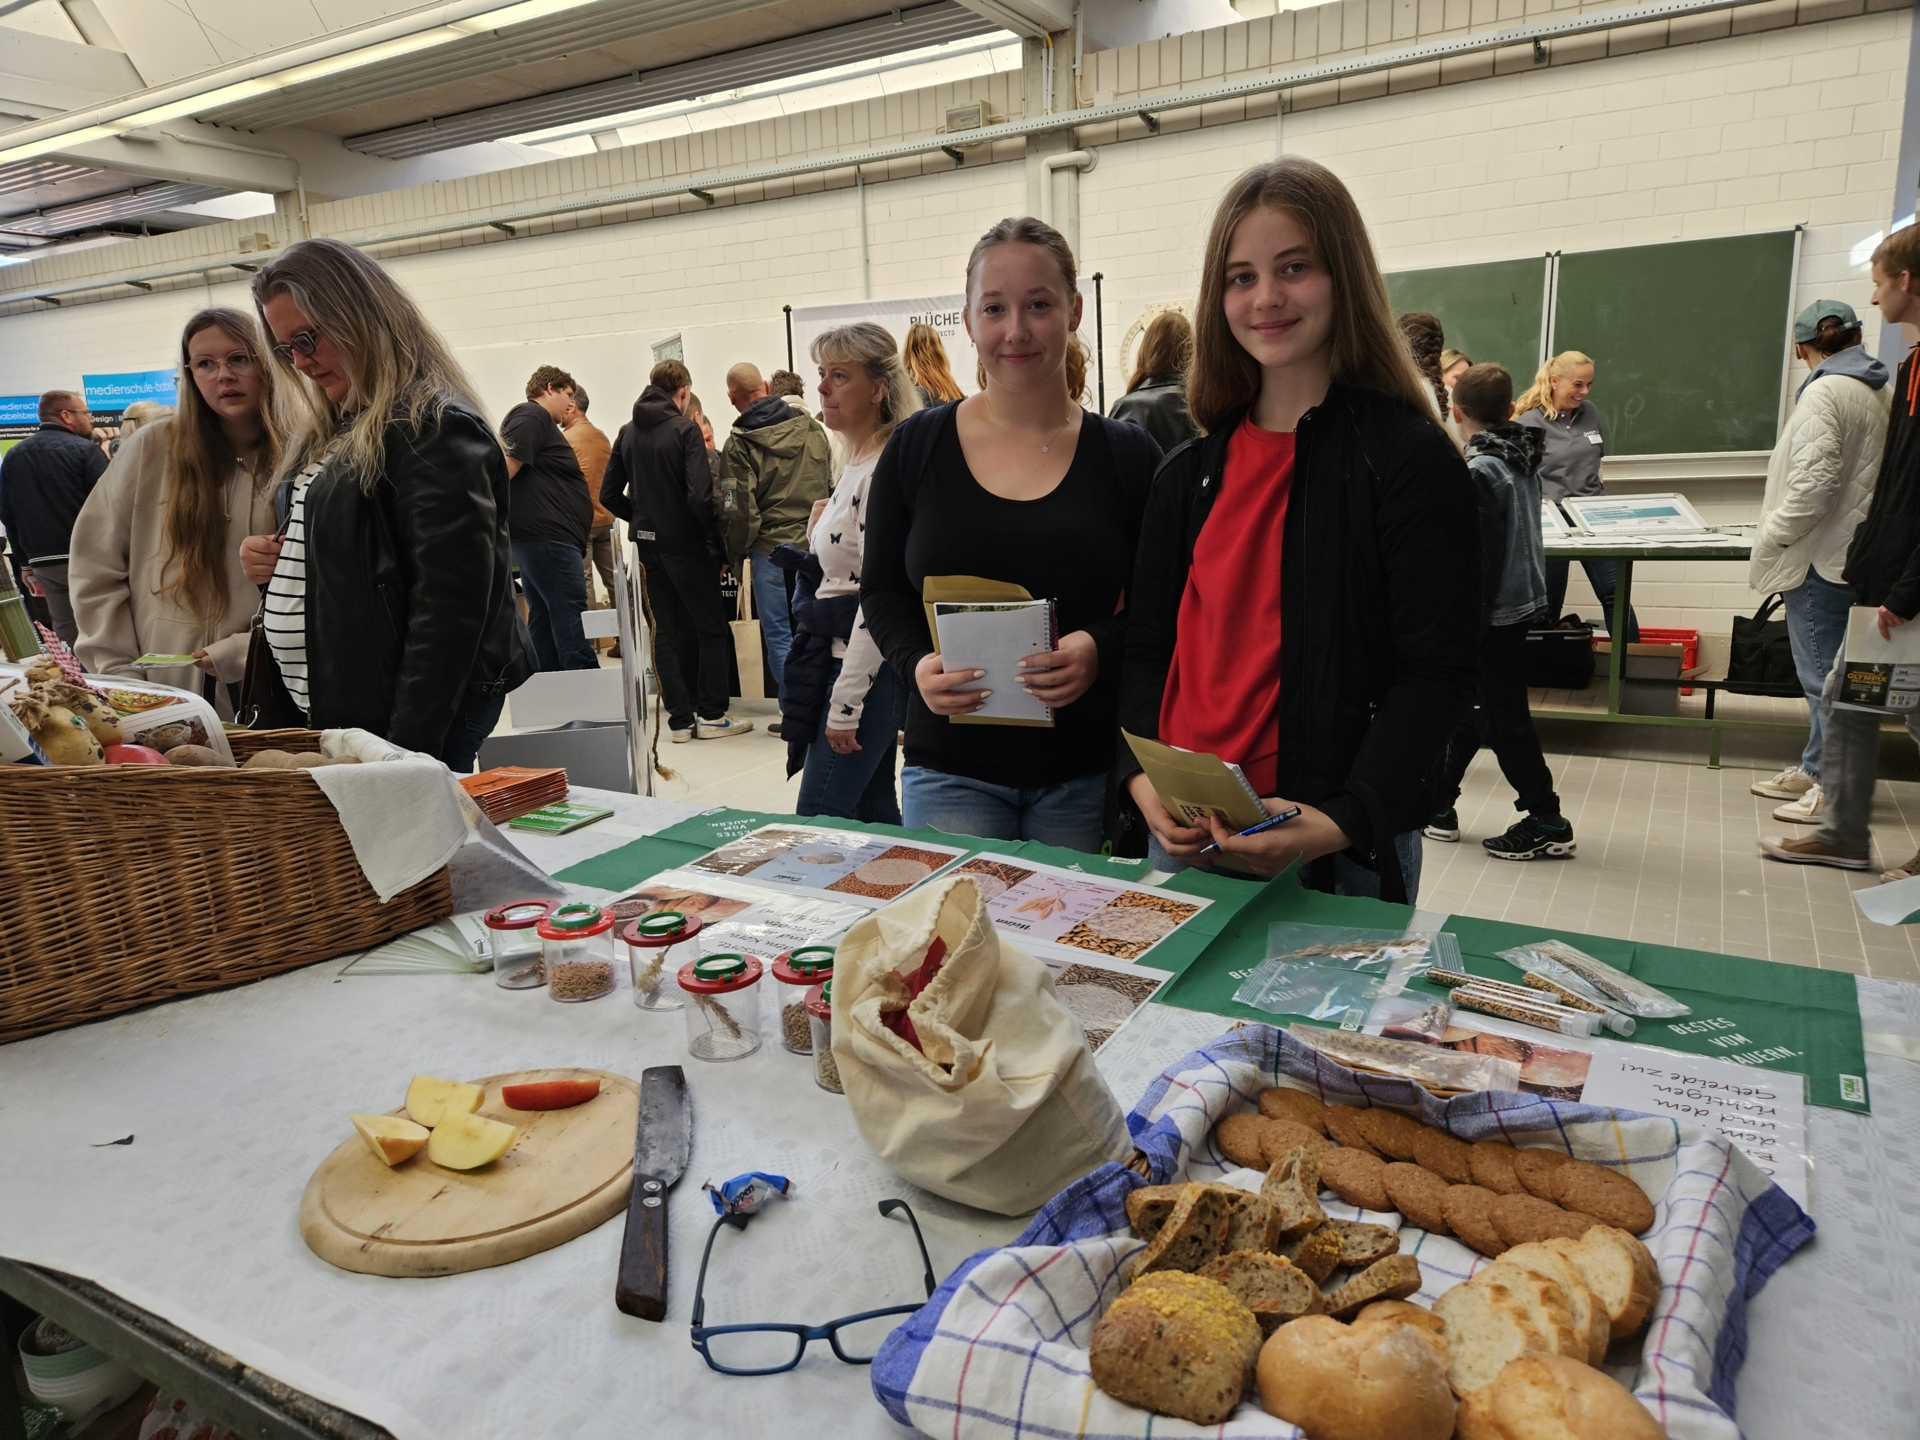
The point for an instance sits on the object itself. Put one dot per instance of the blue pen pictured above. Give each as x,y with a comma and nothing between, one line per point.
1293,813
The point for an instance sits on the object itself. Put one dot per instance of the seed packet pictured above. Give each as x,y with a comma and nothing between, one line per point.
1596,980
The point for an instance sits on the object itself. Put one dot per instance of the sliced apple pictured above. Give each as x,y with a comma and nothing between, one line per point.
391,1138
463,1141
429,1100
549,1094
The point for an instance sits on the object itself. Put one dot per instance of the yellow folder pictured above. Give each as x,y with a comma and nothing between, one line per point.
1194,785
964,590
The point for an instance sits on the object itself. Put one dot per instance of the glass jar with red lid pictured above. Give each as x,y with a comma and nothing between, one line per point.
657,946
576,946
800,968
513,943
826,1070
722,994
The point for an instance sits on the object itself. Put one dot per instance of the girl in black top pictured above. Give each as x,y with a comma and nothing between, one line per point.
1019,484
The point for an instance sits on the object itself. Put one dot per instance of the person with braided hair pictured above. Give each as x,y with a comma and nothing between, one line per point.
1426,343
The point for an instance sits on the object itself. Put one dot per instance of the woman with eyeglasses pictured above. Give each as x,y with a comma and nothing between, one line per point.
155,564
389,601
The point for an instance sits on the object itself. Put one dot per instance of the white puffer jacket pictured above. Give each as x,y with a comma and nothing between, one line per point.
1819,482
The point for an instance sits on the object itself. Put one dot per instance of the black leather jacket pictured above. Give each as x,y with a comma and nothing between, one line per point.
410,610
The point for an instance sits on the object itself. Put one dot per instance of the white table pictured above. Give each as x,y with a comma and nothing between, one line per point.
234,1097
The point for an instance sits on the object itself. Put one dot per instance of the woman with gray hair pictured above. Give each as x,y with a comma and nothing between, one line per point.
389,600
843,705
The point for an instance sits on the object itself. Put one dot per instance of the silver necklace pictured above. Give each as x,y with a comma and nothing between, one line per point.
1046,449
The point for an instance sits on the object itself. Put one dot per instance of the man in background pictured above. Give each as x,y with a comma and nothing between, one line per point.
775,465
549,517
591,448
44,481
787,386
660,483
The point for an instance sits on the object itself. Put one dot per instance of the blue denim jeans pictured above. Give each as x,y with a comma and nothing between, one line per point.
469,731
1071,814
1816,627
859,786
1603,575
1349,877
553,576
770,604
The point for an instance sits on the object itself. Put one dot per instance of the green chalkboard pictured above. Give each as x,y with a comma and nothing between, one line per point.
1688,340
1491,312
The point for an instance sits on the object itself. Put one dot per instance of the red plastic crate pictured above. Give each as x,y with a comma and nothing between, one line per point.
1688,640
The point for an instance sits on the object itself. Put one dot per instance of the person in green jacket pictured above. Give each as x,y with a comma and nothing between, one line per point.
776,463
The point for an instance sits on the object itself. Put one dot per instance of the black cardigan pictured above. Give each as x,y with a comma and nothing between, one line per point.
1379,612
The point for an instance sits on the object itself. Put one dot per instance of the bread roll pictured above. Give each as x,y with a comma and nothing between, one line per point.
1590,1318
1549,1397
1547,1306
1381,1381
1619,1270
1485,1327
1402,1312
1177,1345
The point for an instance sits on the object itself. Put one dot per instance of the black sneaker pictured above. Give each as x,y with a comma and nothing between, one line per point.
1444,826
1532,838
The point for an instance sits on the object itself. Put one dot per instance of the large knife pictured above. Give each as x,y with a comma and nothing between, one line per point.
661,1145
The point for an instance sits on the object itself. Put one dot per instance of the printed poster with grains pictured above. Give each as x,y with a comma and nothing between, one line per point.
735,916
855,868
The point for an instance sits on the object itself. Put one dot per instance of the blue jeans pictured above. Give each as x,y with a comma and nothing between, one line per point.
1816,627
1071,814
1349,877
553,576
770,604
859,786
1602,575
469,731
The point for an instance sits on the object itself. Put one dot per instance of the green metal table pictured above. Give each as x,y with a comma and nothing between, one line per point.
1624,555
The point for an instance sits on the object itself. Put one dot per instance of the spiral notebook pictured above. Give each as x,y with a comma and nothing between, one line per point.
995,636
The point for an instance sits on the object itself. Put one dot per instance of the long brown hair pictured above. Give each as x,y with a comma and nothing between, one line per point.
200,463
398,365
1166,349
1367,352
926,361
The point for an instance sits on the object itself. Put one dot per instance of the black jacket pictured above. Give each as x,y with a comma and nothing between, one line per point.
410,609
1379,612
1883,562
659,479
806,681
44,481
1158,407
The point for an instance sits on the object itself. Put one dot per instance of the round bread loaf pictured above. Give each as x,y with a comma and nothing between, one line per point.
1552,1397
1280,1102
1403,1312
1378,1381
1177,1345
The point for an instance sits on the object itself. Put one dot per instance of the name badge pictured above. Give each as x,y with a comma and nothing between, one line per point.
1594,438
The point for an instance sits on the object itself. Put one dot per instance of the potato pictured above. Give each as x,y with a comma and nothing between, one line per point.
99,717
201,755
67,740
269,760
308,760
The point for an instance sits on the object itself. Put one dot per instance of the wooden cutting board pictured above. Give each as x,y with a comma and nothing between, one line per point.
568,1171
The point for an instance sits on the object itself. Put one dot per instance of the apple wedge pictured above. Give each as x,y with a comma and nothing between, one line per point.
430,1100
391,1138
464,1141
549,1094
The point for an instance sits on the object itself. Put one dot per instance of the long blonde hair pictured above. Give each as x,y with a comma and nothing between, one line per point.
1367,351
871,347
200,462
925,357
398,365
1539,395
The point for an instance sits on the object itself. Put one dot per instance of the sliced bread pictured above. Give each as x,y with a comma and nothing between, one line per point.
1621,1273
1274,1290
1547,1306
1394,1278
1362,1244
1252,1224
1193,1234
1321,1252
1149,1206
1292,1187
1590,1317
1484,1326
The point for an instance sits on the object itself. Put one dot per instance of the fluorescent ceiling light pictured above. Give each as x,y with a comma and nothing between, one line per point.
217,95
241,205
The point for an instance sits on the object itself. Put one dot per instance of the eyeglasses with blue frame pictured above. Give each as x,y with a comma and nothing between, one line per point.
772,1349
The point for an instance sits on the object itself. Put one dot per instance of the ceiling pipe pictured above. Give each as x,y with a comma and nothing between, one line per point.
1081,160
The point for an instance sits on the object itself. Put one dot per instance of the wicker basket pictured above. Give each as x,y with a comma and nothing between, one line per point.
127,884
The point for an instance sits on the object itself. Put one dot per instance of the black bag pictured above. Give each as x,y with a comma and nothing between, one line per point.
1560,658
1760,659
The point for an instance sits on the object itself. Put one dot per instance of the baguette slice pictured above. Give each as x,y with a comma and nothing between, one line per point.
1620,1271
1149,1207
1252,1224
1321,1252
1193,1234
1484,1326
1590,1317
1272,1289
1394,1278
1292,1187
1547,1306
1362,1244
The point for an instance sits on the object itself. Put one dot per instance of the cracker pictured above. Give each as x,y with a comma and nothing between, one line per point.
1279,1102
1491,1162
1607,1195
1445,1156
1343,1124
1418,1194
1239,1138
1280,1136
1467,1211
1535,1169
1357,1177
1391,1133
1520,1218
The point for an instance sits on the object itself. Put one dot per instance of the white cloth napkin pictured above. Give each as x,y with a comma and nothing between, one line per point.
399,809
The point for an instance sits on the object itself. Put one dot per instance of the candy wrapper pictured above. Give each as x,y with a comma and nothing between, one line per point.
747,1194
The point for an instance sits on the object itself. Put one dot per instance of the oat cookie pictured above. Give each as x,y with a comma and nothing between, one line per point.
1357,1177
1281,1136
1467,1211
1607,1195
1343,1124
1390,1132
1520,1218
1491,1162
1239,1137
1279,1102
1418,1194
1535,1167
1445,1156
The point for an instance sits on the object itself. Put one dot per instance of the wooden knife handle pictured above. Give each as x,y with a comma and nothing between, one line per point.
641,1289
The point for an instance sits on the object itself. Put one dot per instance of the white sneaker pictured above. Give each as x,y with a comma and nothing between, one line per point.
681,737
1807,810
719,729
1790,784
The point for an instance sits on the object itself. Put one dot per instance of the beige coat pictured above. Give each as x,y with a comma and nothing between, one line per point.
119,552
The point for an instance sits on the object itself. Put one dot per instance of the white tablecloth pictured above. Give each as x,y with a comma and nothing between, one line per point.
234,1098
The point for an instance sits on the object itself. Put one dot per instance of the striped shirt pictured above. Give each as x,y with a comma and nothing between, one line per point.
286,604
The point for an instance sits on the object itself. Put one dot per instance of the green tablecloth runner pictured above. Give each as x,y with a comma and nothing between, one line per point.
678,845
